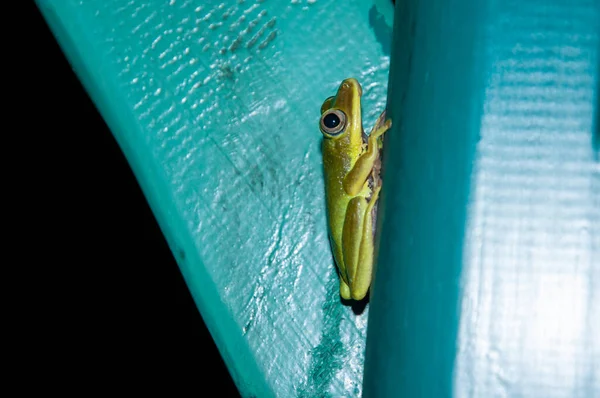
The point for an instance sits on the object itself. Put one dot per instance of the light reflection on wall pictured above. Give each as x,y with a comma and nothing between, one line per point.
530,321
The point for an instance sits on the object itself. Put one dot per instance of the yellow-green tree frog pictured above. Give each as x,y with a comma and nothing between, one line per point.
352,163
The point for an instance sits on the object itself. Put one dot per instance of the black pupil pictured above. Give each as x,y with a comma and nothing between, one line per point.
331,121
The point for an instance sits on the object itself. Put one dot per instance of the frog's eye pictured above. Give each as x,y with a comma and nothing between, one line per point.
333,122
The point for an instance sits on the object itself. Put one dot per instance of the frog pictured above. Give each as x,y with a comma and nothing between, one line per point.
352,171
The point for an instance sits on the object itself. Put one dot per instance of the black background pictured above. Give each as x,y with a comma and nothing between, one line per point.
110,303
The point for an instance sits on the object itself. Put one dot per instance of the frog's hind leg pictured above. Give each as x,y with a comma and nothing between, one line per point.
357,244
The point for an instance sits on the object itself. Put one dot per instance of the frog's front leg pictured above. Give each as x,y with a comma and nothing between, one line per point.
356,178
357,246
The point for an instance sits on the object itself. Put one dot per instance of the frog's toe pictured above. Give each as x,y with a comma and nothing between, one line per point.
345,290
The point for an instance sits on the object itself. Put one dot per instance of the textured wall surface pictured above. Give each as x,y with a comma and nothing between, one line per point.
216,106
488,282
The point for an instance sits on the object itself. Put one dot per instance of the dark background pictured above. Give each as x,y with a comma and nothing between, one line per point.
114,306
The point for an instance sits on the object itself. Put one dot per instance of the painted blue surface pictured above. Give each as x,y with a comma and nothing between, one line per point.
489,242
489,262
216,106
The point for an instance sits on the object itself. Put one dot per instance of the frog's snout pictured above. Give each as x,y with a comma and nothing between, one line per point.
352,83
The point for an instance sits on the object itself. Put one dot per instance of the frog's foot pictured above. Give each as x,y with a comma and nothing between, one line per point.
381,126
380,120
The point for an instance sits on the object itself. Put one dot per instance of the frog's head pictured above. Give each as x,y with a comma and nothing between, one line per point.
340,114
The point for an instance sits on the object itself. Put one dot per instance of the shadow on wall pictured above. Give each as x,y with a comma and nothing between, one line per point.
596,116
596,109
381,25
